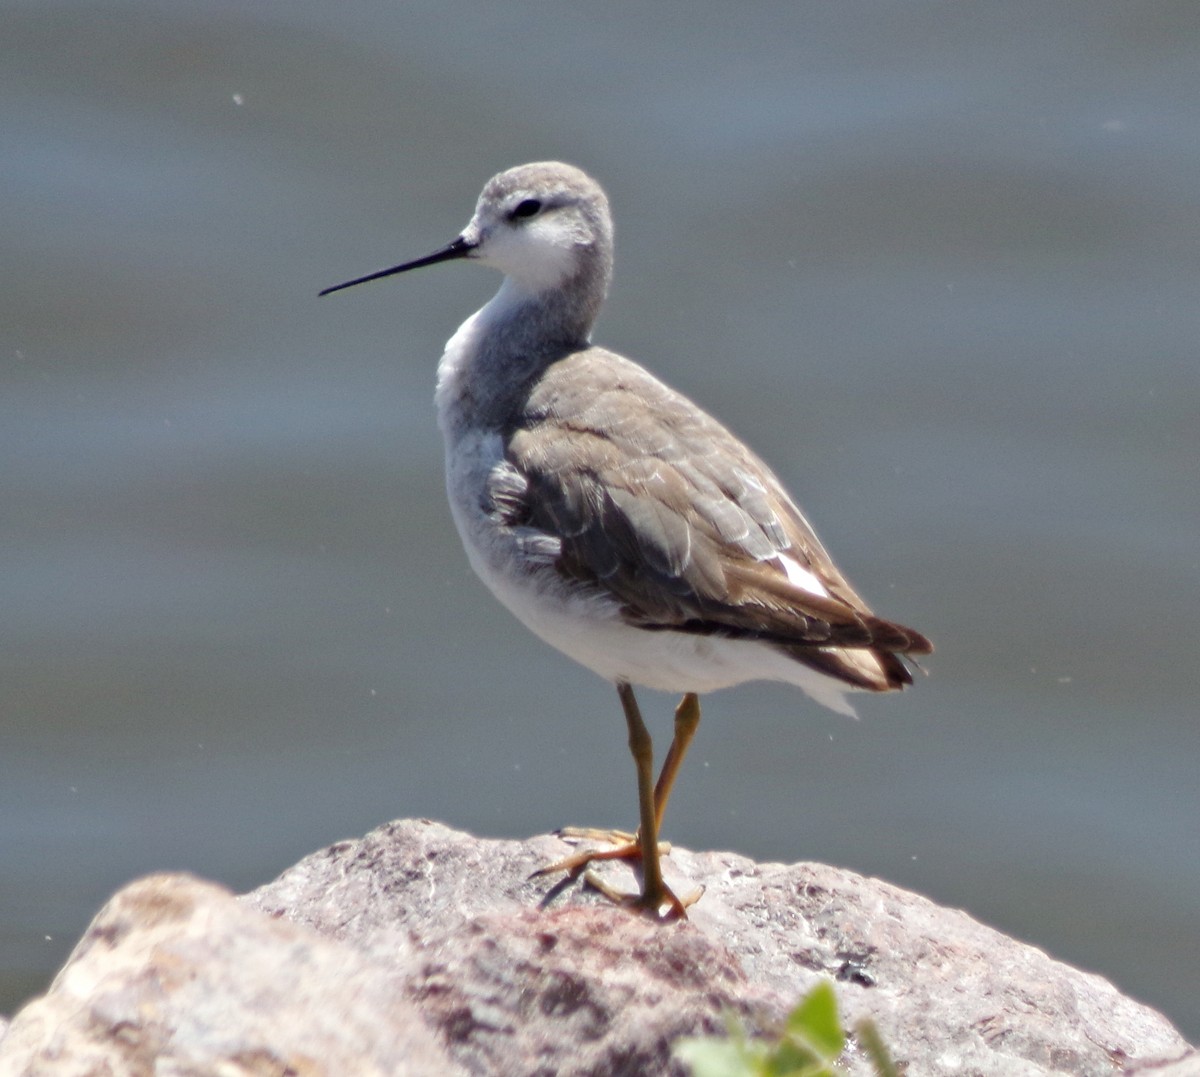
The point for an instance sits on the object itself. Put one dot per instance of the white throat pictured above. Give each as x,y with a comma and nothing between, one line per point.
537,260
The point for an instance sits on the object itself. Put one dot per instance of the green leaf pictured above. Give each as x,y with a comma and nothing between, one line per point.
792,1059
711,1057
809,1047
872,1043
815,1022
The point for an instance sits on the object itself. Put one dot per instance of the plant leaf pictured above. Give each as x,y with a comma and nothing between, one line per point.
708,1056
815,1022
872,1043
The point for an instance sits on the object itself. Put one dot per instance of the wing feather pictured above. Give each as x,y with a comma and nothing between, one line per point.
656,502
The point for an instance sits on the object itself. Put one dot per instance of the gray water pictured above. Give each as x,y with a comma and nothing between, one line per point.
937,261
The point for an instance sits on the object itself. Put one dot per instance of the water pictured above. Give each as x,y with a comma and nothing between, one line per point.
938,264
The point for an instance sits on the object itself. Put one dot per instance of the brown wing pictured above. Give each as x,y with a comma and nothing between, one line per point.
657,503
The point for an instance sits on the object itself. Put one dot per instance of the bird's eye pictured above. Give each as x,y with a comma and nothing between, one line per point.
530,207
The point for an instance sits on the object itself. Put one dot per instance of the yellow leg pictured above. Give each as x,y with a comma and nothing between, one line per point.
652,805
687,720
642,750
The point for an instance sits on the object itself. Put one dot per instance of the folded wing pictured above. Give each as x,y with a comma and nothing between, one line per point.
658,504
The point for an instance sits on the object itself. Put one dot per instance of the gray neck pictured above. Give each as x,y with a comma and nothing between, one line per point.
495,358
553,318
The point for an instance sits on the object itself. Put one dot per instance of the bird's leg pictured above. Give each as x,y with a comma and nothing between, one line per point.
652,805
687,720
642,749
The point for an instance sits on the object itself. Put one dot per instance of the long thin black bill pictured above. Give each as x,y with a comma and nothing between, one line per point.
460,248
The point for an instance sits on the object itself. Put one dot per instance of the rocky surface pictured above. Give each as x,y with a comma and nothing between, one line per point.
422,950
176,976
1186,1066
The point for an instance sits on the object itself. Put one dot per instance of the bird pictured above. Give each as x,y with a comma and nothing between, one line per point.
617,519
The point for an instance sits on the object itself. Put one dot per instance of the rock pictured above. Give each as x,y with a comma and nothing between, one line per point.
176,976
1187,1066
419,949
949,995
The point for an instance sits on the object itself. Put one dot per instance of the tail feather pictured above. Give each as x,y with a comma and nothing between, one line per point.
871,668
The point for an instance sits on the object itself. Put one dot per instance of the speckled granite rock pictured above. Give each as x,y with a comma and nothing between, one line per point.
434,952
176,976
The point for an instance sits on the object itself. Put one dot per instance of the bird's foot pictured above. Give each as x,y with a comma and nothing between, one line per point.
623,846
650,904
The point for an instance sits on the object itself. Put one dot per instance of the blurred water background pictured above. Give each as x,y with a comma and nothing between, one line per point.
937,261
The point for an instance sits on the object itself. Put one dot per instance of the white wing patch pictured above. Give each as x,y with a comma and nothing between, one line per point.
798,575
